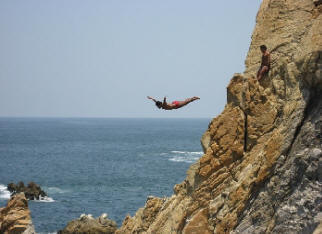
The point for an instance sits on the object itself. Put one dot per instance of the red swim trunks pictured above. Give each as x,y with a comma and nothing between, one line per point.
176,103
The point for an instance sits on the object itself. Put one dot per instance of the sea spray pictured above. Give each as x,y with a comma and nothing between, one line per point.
183,156
4,193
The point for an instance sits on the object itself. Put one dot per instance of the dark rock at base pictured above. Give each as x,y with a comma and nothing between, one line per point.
32,191
86,224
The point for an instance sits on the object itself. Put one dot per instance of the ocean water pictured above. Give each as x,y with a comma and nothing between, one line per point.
94,165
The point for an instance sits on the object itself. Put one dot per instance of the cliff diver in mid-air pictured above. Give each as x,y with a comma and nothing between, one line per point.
173,105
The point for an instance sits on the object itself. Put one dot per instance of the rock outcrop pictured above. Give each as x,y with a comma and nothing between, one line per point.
87,224
32,191
261,171
15,217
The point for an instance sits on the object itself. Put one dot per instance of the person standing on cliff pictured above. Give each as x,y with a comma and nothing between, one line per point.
266,62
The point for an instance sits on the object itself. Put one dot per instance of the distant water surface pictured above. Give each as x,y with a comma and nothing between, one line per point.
95,166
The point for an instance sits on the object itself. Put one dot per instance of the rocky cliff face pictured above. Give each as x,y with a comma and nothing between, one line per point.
15,217
262,167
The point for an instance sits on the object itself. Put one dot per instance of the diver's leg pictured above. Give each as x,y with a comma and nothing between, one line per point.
188,100
262,72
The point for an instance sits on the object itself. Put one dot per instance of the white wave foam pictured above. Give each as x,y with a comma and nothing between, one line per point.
4,193
185,156
47,232
184,159
187,152
44,199
53,190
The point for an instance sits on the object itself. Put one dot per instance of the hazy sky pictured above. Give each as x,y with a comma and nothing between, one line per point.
101,58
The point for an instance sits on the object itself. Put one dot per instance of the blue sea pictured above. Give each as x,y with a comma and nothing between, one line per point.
95,165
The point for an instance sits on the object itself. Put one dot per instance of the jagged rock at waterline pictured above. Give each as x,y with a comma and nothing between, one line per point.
87,224
32,191
261,171
15,217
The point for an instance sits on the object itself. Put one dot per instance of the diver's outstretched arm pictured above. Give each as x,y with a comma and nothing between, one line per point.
151,98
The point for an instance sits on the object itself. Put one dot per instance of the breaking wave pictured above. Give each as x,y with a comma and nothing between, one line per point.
187,152
44,199
184,156
5,195
4,192
47,232
55,190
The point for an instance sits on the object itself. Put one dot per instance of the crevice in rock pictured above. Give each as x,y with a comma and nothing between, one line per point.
308,107
245,132
317,2
257,187
315,97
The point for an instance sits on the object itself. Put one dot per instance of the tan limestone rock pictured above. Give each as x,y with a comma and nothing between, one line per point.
15,217
198,222
318,230
89,225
